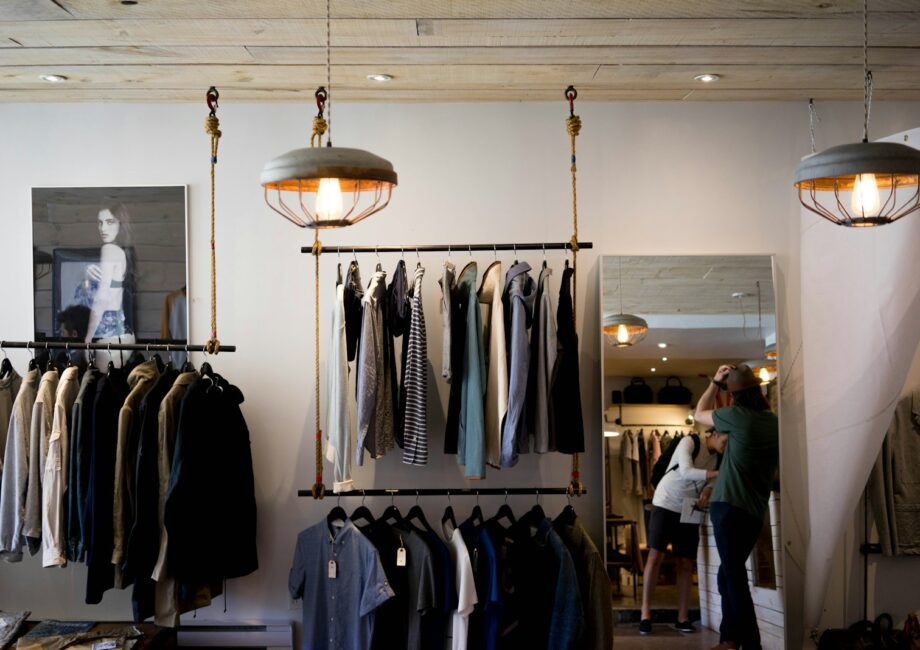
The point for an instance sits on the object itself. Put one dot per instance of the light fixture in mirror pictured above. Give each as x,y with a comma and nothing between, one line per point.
765,369
624,330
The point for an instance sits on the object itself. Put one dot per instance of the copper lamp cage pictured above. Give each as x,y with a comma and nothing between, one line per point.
862,184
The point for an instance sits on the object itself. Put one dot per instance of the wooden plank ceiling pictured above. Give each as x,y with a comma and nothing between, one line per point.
456,50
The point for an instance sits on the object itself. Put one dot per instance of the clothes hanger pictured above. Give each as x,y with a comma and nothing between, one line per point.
536,514
417,514
336,514
544,255
379,266
111,365
515,254
504,512
567,516
392,515
476,517
448,516
6,366
338,273
418,260
362,512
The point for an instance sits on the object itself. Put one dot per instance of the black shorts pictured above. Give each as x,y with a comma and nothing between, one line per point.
665,528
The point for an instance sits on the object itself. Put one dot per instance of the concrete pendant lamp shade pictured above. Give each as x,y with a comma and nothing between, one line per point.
625,330
861,184
363,181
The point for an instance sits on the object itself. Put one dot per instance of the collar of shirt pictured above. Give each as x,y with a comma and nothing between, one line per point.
342,535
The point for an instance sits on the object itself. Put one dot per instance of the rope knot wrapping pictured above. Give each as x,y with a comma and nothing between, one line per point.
319,129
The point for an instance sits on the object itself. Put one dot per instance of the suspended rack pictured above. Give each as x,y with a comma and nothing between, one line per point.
451,492
171,346
448,248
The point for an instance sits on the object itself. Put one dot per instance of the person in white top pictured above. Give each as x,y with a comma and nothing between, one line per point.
690,468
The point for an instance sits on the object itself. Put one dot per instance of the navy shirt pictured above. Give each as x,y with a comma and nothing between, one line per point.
483,626
338,613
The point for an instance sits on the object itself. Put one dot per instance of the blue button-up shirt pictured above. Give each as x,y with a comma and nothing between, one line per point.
338,613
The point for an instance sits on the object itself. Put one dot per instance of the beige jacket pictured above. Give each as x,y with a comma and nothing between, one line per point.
39,435
493,325
140,381
54,480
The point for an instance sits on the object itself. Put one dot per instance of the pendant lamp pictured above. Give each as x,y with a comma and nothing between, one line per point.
765,369
866,183
624,330
325,186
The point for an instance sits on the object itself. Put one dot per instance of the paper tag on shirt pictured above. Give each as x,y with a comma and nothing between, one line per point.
332,569
105,645
401,556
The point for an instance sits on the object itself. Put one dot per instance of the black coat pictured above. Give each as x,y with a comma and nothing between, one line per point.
210,505
566,414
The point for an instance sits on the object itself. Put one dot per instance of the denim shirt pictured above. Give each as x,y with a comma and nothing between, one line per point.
518,299
338,613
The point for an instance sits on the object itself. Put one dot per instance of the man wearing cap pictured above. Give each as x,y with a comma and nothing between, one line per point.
741,492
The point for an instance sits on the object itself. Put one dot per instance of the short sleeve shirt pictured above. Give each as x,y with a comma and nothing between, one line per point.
338,613
750,460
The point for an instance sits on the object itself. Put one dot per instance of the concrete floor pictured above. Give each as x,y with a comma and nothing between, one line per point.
627,637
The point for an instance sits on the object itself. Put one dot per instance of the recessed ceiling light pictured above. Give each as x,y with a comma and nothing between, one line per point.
53,78
380,77
654,369
662,345
707,77
664,358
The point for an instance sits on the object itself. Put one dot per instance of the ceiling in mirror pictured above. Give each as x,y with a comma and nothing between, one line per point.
705,308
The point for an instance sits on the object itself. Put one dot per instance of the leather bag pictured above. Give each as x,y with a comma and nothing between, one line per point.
674,393
638,392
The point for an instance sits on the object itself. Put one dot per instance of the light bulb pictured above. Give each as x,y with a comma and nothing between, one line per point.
865,200
622,334
764,376
329,200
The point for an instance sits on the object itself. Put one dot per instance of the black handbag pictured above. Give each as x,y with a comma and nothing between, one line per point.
678,394
638,392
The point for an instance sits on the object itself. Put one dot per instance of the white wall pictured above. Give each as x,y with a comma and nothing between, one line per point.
655,178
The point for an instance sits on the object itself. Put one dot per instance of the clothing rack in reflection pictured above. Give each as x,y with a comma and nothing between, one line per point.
450,492
169,346
451,248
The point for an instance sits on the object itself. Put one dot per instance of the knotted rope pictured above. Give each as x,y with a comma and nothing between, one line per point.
320,125
212,127
319,489
573,128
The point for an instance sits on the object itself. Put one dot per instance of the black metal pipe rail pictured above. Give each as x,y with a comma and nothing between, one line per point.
82,345
452,492
449,248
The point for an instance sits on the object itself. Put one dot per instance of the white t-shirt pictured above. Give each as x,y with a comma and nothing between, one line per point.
466,593
688,480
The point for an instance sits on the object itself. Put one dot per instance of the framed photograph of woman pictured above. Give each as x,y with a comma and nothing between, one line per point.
119,258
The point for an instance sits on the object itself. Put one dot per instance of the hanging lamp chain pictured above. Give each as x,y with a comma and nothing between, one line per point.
867,75
212,128
812,121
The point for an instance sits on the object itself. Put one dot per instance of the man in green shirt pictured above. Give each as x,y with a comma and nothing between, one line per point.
739,498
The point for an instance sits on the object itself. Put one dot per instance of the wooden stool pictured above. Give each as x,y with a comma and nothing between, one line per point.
633,560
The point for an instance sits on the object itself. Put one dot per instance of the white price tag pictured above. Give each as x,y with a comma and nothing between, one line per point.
401,556
332,569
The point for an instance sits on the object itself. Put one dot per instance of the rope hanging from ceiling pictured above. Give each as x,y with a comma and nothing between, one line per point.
212,127
573,128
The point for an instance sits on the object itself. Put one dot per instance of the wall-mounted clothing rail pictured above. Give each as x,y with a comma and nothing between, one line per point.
139,347
453,492
657,425
451,248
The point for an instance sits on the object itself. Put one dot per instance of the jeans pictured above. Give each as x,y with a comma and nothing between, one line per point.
736,532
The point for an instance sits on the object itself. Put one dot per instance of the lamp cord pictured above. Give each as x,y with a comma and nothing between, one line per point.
329,71
812,120
867,76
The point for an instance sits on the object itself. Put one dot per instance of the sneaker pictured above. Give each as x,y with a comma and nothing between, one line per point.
686,626
645,626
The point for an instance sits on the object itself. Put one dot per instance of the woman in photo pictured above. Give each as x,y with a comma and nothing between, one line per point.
103,289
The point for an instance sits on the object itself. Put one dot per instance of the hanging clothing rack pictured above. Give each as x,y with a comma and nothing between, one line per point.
138,347
451,492
449,248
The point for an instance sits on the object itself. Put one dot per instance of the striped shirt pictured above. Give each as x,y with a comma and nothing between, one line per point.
415,379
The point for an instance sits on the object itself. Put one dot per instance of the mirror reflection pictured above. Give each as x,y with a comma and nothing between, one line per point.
669,324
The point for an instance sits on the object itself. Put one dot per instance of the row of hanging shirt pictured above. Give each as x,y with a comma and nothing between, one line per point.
507,582
143,472
511,361
638,455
